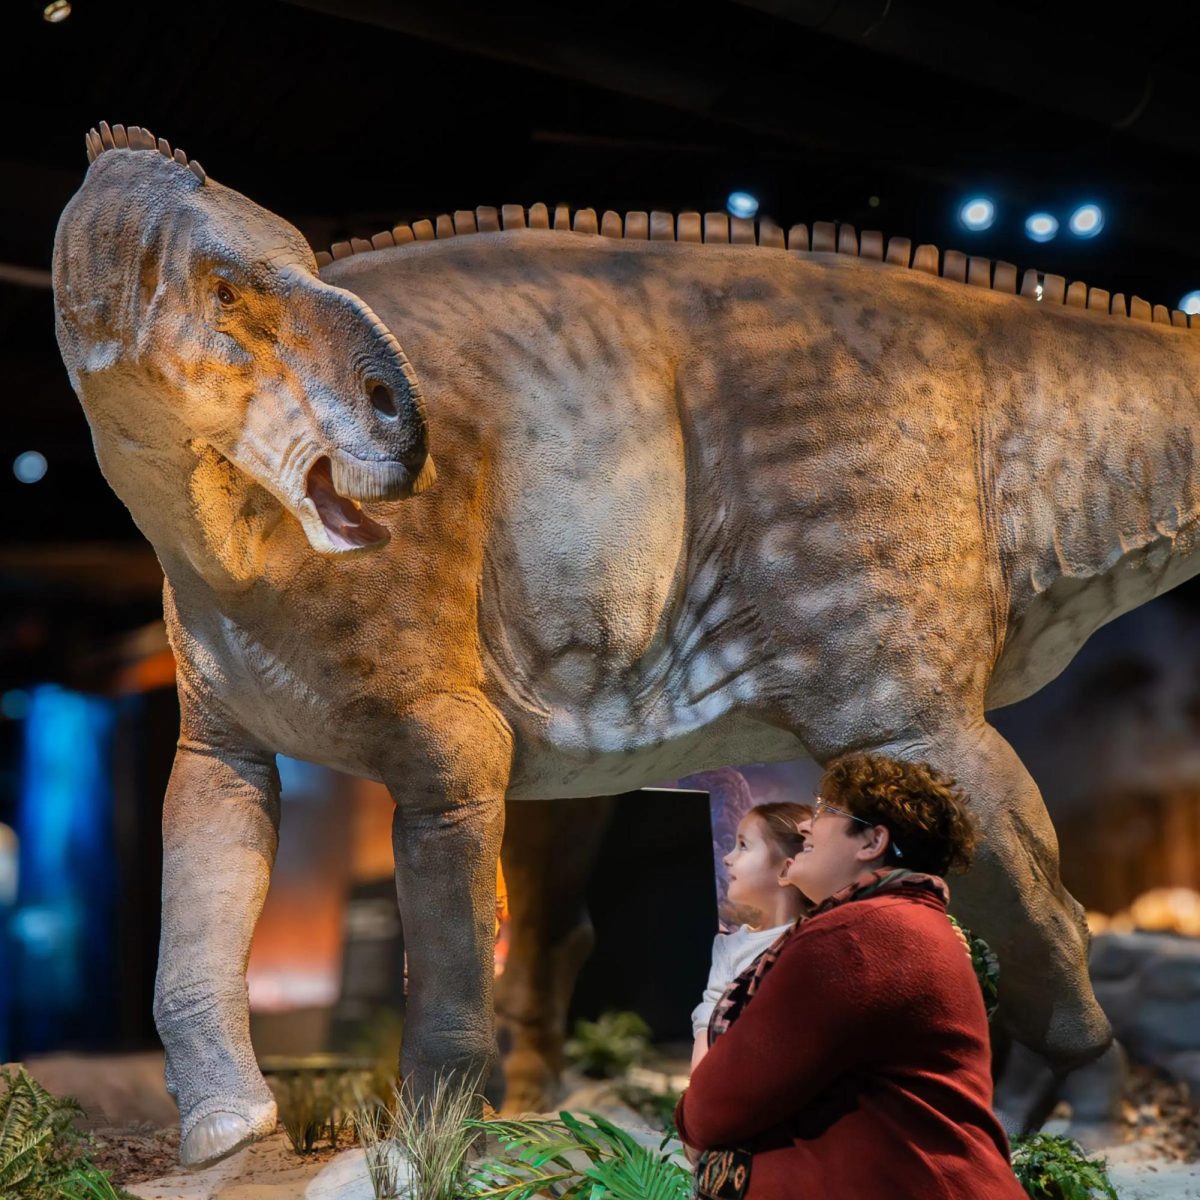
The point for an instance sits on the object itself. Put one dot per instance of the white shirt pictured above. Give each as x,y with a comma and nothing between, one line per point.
732,953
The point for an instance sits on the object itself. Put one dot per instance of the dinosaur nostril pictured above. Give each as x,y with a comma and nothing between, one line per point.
382,400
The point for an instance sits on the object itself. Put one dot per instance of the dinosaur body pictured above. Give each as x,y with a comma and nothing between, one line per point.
694,505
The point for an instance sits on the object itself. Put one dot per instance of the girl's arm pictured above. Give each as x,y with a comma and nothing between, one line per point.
789,1043
699,1048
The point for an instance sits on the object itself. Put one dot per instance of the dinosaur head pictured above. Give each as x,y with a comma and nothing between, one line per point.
190,317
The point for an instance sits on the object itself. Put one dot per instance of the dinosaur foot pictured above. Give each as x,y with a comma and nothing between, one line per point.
221,1134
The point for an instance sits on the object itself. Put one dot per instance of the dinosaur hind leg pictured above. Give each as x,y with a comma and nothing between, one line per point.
1013,897
549,849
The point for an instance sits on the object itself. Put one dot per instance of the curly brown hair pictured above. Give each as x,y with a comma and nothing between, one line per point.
924,811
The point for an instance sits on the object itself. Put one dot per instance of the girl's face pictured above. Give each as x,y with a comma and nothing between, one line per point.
754,864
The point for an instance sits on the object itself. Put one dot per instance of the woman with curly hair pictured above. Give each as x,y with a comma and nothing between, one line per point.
852,1060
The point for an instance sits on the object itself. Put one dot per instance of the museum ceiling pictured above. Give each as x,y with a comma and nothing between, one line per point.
347,115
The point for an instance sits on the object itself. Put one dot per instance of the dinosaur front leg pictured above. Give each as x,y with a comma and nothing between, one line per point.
1013,897
446,836
220,829
549,849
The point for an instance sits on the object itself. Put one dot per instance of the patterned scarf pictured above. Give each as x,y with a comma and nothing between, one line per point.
725,1174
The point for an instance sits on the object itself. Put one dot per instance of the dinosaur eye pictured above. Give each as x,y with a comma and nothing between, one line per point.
225,294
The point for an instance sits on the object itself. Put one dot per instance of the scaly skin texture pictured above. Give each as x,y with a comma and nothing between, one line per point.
695,505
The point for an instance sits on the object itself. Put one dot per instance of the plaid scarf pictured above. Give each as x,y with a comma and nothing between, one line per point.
725,1174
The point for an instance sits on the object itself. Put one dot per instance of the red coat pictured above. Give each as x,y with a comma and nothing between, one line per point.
861,1067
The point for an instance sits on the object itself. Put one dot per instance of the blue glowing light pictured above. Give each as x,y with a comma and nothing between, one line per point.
977,214
741,204
1087,221
30,466
1190,304
1041,227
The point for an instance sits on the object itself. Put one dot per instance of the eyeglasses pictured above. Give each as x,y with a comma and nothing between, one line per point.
823,806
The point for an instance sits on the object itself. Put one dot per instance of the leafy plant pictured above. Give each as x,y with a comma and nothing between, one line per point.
608,1047
39,1146
574,1158
88,1182
987,969
1056,1168
421,1144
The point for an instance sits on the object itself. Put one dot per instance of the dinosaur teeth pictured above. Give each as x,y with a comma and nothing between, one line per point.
847,241
197,170
488,219
164,147
1161,315
444,227
662,227
423,230
824,237
954,266
1139,309
741,231
1031,285
106,136
120,138
1098,300
979,272
324,258
359,245
1005,279
381,241
610,225
797,238
402,234
464,222
1179,318
716,227
512,216
1117,308
585,221
341,250
899,251
689,227
562,216
539,216
637,226
871,244
926,259
1053,287
770,235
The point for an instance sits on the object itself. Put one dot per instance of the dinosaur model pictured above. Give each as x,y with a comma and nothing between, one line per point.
695,504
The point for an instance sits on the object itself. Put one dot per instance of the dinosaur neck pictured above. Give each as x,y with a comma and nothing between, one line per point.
1093,479
199,513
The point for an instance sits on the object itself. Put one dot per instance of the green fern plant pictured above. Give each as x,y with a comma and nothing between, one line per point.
574,1158
608,1047
39,1146
1056,1168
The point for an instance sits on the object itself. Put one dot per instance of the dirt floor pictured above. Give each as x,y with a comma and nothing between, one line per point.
132,1122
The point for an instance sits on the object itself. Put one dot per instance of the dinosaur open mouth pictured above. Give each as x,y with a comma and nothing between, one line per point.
348,527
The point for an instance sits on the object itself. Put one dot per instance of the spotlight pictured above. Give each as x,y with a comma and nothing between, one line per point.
30,466
1190,304
873,201
1041,227
978,213
1087,221
57,10
741,204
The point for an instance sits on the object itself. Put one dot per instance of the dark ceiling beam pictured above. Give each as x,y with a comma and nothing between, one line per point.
1114,84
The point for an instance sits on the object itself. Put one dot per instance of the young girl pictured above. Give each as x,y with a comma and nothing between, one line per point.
767,836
